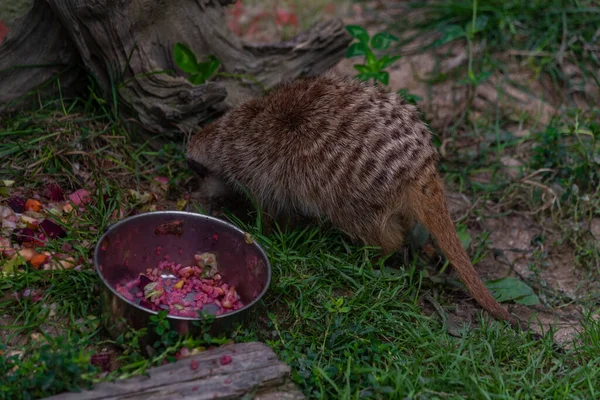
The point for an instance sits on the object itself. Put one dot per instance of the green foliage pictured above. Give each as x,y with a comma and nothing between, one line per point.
349,330
42,371
545,32
510,288
162,327
373,68
187,62
571,151
169,341
410,97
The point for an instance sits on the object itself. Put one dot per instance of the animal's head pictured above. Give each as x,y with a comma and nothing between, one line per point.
213,188
196,150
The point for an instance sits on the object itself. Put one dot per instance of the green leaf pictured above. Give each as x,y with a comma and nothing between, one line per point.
363,69
48,379
358,33
364,76
357,49
463,235
185,58
11,266
386,61
449,33
371,61
212,65
382,76
530,300
382,40
197,79
411,98
480,24
510,288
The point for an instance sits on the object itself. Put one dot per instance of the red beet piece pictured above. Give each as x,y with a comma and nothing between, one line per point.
102,361
54,192
226,359
194,365
17,204
51,229
149,306
23,235
144,280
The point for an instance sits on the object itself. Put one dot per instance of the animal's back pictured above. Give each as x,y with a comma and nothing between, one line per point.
330,146
324,146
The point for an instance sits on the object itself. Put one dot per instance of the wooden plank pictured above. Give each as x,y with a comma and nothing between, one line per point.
254,372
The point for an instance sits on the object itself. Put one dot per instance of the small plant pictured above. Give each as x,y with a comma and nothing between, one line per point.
573,152
337,306
373,68
168,337
564,31
199,72
410,97
468,32
49,369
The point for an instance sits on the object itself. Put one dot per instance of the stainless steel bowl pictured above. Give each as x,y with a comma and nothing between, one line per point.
129,247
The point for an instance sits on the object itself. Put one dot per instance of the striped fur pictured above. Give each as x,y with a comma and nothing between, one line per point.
315,144
333,147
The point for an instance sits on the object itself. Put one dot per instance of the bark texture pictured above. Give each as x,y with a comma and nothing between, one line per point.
254,371
127,47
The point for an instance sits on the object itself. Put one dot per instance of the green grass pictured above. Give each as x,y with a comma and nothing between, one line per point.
348,329
351,331
546,34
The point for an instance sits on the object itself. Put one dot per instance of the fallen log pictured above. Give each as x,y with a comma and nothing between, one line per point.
227,372
127,47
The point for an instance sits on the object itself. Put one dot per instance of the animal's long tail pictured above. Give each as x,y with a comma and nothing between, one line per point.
429,206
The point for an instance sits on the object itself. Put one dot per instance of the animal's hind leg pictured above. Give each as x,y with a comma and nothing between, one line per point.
390,236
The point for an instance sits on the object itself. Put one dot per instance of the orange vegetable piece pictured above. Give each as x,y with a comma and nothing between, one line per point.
33,205
37,260
179,284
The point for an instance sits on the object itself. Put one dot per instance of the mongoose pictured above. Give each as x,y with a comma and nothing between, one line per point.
334,147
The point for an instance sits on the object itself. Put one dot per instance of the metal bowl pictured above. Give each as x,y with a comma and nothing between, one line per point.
129,247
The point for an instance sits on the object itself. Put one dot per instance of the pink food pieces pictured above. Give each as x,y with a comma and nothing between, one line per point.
54,192
51,229
17,204
226,359
80,197
183,290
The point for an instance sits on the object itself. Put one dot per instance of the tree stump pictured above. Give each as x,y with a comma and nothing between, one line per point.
254,371
127,47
